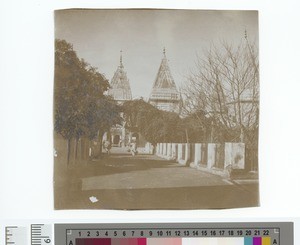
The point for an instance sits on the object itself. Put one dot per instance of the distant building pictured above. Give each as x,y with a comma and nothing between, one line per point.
120,87
120,90
164,94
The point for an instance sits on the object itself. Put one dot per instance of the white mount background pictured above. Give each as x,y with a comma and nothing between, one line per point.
26,91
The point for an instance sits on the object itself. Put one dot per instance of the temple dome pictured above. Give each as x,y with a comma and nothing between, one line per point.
120,87
164,94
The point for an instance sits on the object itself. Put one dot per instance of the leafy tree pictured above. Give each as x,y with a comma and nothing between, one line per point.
155,125
81,109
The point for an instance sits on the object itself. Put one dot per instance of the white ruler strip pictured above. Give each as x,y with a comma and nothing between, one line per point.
16,235
41,234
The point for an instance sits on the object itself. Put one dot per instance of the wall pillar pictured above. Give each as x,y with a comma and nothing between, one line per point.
169,151
238,155
160,149
235,155
164,149
174,151
211,155
157,149
197,154
187,153
179,155
228,153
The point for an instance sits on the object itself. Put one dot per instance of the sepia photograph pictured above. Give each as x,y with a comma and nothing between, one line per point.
156,109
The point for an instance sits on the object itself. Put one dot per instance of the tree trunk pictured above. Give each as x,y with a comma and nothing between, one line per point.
75,150
242,138
100,139
187,136
79,150
154,149
212,132
90,152
68,150
84,150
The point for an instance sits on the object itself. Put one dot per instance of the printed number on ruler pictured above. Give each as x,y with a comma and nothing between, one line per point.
41,234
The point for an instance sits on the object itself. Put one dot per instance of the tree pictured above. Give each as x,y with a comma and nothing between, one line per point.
225,87
155,125
81,109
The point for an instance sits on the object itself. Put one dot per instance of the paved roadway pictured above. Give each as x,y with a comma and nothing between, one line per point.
120,181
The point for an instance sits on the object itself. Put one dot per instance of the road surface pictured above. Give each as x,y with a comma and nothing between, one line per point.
121,181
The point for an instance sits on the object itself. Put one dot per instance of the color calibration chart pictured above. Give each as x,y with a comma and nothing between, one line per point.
175,234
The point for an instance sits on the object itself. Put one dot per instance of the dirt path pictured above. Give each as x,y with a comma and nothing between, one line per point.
120,181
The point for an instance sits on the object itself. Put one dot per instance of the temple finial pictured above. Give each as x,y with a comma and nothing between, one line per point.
246,35
121,61
164,52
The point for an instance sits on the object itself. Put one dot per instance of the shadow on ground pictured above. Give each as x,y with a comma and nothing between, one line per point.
69,194
212,197
112,164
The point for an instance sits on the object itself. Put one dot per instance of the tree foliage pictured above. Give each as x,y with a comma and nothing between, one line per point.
155,125
81,109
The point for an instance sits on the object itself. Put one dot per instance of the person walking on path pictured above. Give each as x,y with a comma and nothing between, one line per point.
107,146
133,148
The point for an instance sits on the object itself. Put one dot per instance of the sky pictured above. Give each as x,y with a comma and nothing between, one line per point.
98,36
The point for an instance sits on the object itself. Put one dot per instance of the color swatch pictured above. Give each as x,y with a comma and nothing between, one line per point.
176,241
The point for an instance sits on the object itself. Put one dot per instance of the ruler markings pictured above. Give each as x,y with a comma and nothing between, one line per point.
68,234
157,229
8,234
41,234
177,232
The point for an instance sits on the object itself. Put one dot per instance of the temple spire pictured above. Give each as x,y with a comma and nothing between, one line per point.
164,94
246,35
121,61
120,87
